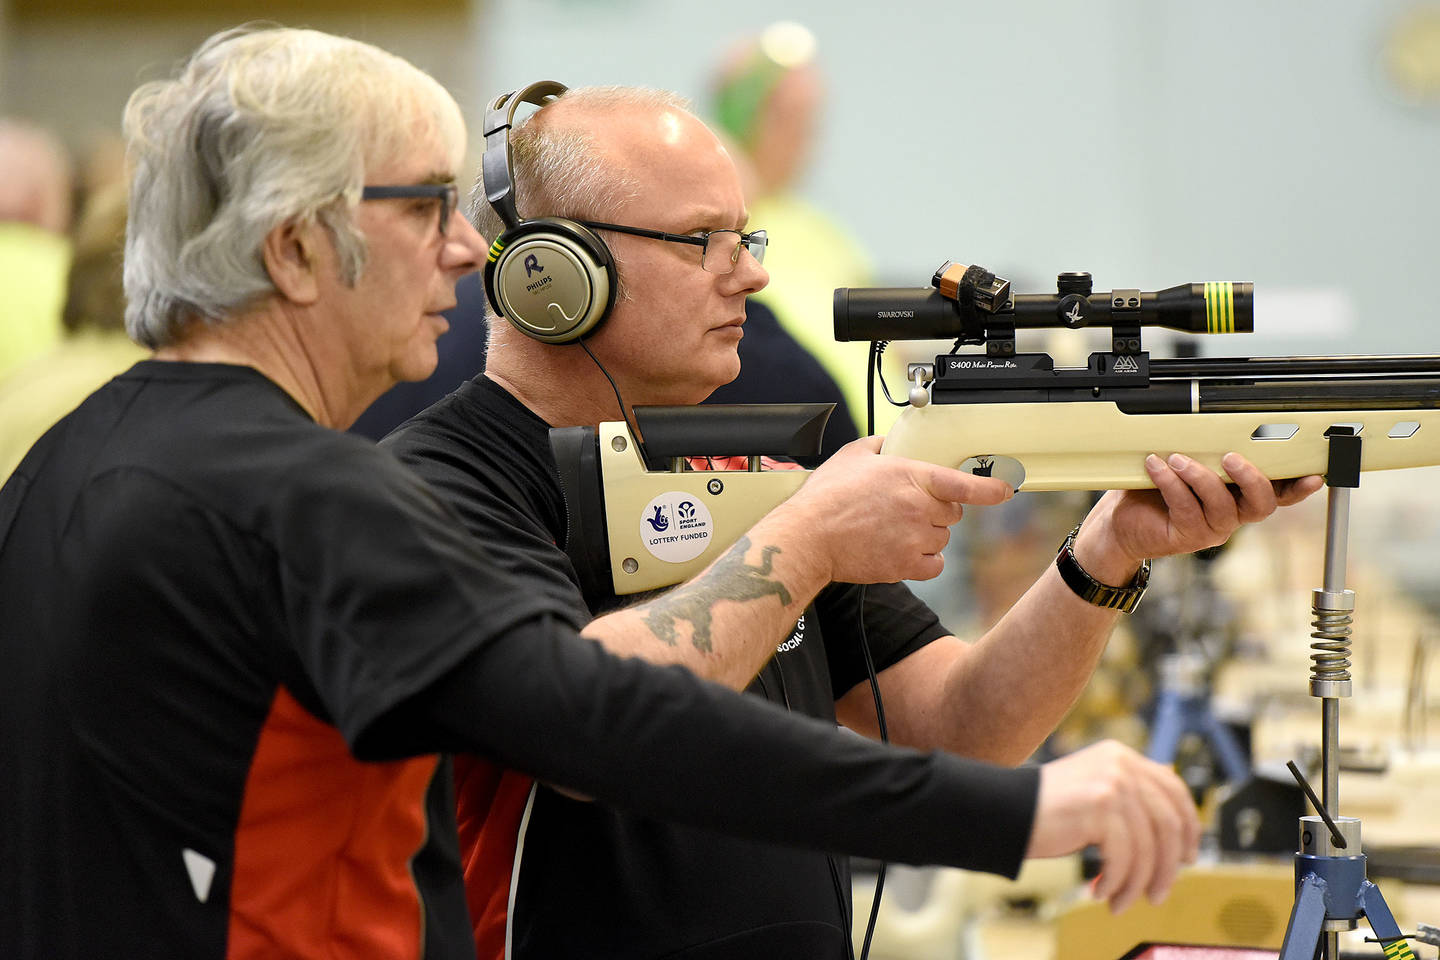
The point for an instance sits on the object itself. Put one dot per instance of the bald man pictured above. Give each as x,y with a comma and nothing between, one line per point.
548,875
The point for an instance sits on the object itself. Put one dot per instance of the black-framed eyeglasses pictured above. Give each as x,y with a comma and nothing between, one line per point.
447,193
721,248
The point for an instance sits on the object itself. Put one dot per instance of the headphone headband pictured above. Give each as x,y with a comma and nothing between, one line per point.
498,162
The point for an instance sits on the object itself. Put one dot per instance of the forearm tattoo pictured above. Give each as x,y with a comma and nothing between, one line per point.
731,578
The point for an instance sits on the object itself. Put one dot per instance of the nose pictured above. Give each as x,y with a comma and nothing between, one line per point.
464,248
748,276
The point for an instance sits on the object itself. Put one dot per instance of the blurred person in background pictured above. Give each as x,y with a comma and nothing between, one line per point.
768,98
93,346
36,197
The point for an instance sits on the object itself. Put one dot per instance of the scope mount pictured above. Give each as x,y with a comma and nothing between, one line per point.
987,310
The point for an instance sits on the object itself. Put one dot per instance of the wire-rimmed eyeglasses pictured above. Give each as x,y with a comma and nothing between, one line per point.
447,193
721,248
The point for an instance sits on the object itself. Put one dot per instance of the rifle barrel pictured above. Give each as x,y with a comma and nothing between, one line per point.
1418,393
1195,395
1230,367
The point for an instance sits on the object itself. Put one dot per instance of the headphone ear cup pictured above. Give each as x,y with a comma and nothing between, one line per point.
553,279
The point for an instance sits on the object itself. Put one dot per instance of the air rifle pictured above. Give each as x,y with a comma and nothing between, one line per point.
998,412
642,517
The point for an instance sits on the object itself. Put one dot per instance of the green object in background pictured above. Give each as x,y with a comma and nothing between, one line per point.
782,47
34,265
739,99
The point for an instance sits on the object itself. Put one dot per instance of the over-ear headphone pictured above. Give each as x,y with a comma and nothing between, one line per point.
552,278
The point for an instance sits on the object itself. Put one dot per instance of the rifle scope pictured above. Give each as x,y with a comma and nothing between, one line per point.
921,313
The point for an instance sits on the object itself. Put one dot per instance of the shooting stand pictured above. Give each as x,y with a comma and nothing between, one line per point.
1331,891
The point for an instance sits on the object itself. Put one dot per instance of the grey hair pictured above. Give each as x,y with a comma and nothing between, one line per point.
260,127
557,170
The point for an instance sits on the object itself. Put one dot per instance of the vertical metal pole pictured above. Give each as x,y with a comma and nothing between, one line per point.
1333,607
1330,755
1337,537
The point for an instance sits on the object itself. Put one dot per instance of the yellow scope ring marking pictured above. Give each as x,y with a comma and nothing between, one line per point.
1220,307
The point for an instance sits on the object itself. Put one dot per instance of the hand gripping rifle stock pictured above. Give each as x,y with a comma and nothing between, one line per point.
1019,417
640,517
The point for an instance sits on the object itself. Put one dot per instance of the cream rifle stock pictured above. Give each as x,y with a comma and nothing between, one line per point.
639,518
1059,432
1019,417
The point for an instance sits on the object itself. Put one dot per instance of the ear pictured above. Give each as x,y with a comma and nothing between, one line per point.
293,259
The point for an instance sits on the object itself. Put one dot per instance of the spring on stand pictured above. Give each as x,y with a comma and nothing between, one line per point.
1331,657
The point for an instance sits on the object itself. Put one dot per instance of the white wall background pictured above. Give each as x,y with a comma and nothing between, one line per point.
1152,143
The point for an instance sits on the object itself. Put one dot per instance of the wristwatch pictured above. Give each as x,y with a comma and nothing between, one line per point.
1089,589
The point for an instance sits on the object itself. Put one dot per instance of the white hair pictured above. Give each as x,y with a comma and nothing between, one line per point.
260,127
557,170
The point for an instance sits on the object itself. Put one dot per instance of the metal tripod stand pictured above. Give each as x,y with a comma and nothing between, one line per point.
1332,892
1201,622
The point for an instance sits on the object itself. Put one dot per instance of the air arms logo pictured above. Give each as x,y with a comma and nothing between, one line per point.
675,527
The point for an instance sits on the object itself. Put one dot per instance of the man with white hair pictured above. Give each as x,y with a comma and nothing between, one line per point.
234,639
550,876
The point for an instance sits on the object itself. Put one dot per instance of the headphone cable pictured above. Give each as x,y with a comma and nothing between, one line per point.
884,738
634,427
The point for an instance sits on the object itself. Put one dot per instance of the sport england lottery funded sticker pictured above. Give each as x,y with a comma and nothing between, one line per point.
676,527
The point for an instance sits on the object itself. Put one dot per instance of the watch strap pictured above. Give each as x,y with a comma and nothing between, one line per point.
1090,590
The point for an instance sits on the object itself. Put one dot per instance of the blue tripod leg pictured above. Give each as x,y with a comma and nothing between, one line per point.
1227,748
1306,919
1382,922
1167,727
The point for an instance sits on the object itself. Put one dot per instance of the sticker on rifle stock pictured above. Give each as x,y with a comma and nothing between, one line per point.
676,527
1006,468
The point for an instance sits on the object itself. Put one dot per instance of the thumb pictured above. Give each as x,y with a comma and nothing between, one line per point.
867,444
956,486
